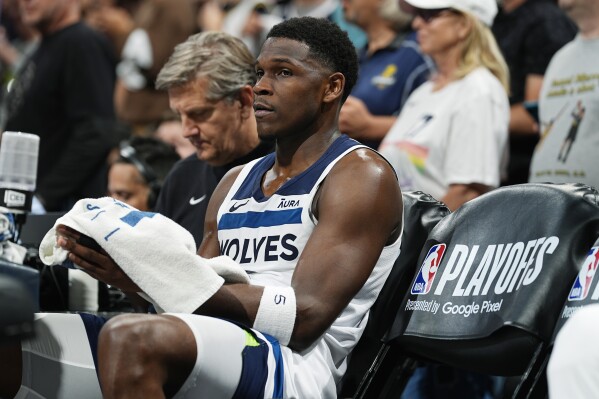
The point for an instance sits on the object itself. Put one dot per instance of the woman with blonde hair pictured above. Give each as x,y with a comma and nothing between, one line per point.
451,135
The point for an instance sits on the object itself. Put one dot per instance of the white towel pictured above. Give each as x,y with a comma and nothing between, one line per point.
154,251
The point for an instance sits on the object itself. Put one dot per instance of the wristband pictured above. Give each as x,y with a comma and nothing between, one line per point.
276,313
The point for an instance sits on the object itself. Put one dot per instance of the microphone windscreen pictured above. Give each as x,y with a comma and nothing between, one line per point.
18,169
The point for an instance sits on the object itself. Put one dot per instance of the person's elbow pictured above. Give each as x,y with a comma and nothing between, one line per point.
311,322
459,194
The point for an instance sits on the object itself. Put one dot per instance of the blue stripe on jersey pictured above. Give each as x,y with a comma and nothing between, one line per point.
279,367
302,183
230,221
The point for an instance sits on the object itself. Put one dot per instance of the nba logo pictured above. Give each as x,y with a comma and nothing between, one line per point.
582,284
428,270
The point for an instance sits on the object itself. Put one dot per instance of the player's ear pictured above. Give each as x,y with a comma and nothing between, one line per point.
246,101
335,86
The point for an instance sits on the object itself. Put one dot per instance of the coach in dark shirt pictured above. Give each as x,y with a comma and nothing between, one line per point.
214,99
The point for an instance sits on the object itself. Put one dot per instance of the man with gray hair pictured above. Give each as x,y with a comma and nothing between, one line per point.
209,80
391,68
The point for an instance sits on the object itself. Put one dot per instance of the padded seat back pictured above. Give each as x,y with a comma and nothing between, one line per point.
493,276
421,213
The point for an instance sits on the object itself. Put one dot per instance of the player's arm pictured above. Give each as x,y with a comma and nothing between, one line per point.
359,212
86,253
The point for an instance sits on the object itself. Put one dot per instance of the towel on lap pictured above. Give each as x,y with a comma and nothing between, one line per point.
154,251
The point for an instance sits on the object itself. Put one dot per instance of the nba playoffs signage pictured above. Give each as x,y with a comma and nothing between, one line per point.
492,277
507,258
502,267
585,289
462,284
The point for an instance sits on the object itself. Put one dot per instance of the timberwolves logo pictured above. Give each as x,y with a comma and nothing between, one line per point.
428,270
582,284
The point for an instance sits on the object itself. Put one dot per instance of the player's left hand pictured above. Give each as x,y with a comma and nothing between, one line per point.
96,263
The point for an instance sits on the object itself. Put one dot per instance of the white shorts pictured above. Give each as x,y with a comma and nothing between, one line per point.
252,364
246,365
232,362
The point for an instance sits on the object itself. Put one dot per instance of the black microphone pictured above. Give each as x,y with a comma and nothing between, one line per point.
18,171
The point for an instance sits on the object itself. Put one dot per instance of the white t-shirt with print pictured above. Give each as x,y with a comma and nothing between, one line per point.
456,135
569,113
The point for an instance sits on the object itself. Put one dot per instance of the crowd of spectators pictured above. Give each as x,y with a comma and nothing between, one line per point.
136,38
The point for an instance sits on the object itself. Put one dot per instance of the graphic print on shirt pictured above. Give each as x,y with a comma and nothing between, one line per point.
417,154
547,127
18,89
577,116
194,201
386,78
568,106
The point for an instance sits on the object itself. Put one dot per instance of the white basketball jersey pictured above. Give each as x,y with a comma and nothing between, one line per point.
267,235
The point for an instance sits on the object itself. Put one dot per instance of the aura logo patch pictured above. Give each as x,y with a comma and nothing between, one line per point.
428,270
582,284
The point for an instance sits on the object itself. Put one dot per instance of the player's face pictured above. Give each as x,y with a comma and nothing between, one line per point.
290,89
211,126
126,184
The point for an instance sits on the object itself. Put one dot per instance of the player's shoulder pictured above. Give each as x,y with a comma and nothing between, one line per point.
366,160
362,169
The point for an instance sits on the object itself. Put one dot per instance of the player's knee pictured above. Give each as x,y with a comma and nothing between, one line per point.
125,332
139,336
143,345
